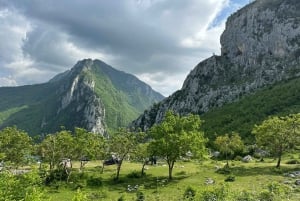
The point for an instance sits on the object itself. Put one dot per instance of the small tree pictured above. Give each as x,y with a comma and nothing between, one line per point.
278,134
142,155
175,136
57,146
121,144
87,146
15,145
229,145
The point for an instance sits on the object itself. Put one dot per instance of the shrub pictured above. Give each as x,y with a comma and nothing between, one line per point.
56,175
293,161
219,193
94,181
121,198
140,196
189,193
134,175
238,158
230,178
266,196
224,170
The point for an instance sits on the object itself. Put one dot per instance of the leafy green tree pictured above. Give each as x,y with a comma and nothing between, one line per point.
175,136
142,155
57,146
278,134
122,144
15,145
87,146
229,145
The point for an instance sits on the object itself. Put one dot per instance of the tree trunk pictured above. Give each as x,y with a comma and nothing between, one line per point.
118,169
171,165
143,168
102,167
279,160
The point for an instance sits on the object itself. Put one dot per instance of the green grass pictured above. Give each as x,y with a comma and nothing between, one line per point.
253,176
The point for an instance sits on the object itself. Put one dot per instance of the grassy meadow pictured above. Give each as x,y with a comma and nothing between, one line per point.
252,177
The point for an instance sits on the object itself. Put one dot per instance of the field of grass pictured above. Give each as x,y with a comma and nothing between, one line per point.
252,177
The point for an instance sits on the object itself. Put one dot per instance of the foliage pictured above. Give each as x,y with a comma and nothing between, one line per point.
175,136
229,145
122,143
140,196
56,147
87,145
189,193
27,186
230,178
143,154
80,196
279,99
15,145
220,193
278,134
94,181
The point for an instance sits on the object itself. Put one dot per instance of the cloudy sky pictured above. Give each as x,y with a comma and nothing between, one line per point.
159,41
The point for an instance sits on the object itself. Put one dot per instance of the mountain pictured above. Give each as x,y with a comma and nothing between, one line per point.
91,95
260,47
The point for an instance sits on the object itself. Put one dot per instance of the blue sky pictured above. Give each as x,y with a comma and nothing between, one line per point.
159,41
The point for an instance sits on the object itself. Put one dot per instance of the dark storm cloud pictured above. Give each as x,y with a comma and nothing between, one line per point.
149,38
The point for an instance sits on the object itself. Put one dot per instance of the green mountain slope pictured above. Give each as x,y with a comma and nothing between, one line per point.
279,99
92,95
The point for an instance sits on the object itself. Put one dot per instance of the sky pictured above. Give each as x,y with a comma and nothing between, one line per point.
159,41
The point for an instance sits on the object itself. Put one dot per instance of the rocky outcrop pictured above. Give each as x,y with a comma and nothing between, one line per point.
260,46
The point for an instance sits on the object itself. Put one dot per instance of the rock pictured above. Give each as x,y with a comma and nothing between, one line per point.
297,182
247,159
209,181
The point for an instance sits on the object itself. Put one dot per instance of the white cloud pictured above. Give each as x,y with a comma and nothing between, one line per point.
7,81
160,41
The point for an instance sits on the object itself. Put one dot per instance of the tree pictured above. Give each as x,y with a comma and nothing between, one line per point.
15,145
175,136
278,134
121,144
87,146
229,145
142,154
56,147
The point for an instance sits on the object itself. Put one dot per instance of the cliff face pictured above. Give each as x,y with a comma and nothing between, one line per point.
260,46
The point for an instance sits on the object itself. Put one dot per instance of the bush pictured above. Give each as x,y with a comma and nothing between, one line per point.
224,170
293,161
238,158
56,175
140,196
134,175
189,193
230,178
94,181
245,196
266,196
218,193
121,198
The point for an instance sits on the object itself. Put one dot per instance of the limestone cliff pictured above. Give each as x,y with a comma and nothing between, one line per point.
260,46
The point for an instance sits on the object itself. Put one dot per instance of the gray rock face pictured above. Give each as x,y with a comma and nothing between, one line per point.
260,46
79,97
